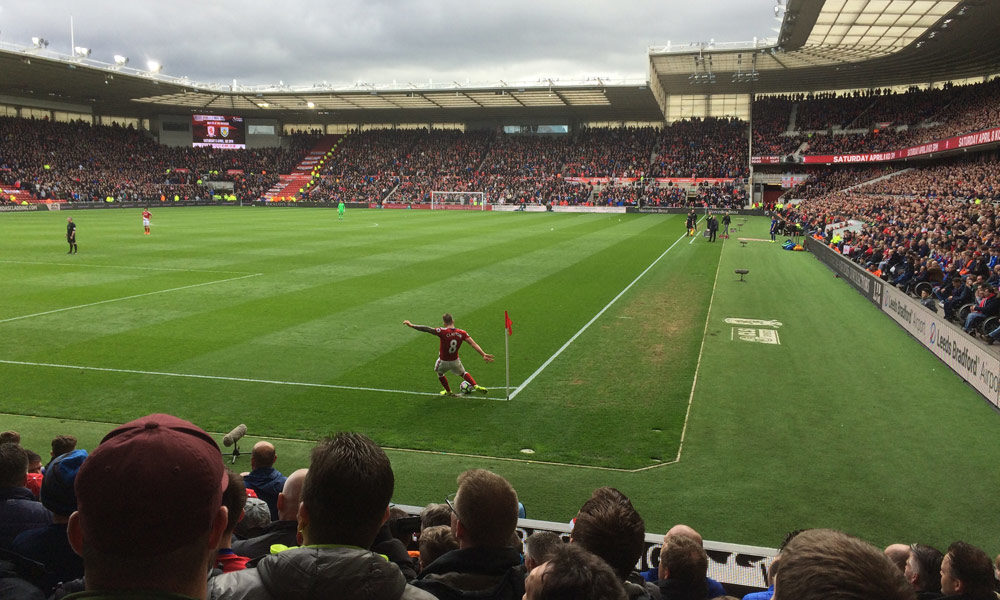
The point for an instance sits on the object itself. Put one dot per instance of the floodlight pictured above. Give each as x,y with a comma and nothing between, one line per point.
154,66
81,51
120,60
38,42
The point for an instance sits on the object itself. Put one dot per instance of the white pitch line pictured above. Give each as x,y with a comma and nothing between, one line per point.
697,368
57,264
216,377
694,237
183,287
531,378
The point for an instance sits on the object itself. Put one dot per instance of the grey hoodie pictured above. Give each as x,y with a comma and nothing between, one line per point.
314,572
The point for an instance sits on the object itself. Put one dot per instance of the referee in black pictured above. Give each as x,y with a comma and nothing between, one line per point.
71,235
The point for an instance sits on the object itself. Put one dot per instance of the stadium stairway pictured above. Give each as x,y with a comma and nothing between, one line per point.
288,185
882,178
19,196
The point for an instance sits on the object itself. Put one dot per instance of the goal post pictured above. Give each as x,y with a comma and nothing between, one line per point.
458,200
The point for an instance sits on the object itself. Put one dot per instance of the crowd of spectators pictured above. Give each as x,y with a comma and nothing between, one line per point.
822,180
771,121
187,527
710,147
876,120
935,224
405,167
80,162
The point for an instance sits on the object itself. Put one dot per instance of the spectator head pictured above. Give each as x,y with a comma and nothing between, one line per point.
234,499
923,568
573,574
10,437
484,510
346,493
57,486
256,516
263,455
155,483
898,553
610,527
966,570
435,541
686,531
539,547
34,461
823,564
291,495
682,559
435,514
61,444
13,465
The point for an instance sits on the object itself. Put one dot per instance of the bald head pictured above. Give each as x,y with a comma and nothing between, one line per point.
291,495
898,553
263,455
685,531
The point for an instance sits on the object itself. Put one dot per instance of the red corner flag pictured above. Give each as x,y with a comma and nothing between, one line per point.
508,325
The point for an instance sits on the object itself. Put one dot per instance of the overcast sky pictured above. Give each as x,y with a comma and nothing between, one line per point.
381,41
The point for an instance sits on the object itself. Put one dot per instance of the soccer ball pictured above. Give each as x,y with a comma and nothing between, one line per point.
466,387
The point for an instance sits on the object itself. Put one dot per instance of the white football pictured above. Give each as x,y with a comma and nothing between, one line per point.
466,387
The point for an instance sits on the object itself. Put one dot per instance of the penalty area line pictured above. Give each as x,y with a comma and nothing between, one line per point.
216,377
183,287
545,365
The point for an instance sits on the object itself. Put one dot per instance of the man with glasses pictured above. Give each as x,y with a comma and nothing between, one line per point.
486,564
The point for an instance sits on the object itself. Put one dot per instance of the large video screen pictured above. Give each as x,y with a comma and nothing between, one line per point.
216,131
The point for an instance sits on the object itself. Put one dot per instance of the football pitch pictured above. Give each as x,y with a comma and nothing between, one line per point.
638,360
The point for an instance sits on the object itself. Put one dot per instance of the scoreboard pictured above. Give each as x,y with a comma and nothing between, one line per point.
214,131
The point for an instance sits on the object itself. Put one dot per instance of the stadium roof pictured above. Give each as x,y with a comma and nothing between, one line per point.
108,89
822,45
843,44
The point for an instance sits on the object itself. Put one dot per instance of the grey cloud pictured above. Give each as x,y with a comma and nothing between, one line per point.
378,41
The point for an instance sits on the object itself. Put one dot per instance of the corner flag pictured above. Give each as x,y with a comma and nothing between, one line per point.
508,325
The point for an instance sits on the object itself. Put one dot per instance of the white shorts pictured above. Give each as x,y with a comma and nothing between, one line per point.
444,366
145,222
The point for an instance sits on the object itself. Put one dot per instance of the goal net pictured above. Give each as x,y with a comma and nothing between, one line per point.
458,200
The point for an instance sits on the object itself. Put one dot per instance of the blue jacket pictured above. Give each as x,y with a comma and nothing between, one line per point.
268,483
19,511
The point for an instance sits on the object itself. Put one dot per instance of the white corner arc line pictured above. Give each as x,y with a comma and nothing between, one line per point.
183,287
215,377
538,371
395,449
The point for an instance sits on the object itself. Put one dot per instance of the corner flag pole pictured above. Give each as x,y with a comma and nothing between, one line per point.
507,330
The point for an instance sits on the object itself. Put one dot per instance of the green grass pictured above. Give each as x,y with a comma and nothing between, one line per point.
847,423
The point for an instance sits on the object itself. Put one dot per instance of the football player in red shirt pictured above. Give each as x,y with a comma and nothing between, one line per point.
145,219
451,340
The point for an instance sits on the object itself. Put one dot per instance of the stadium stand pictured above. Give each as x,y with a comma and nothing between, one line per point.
925,227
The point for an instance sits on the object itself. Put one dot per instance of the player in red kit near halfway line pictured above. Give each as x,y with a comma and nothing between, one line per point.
451,340
145,220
